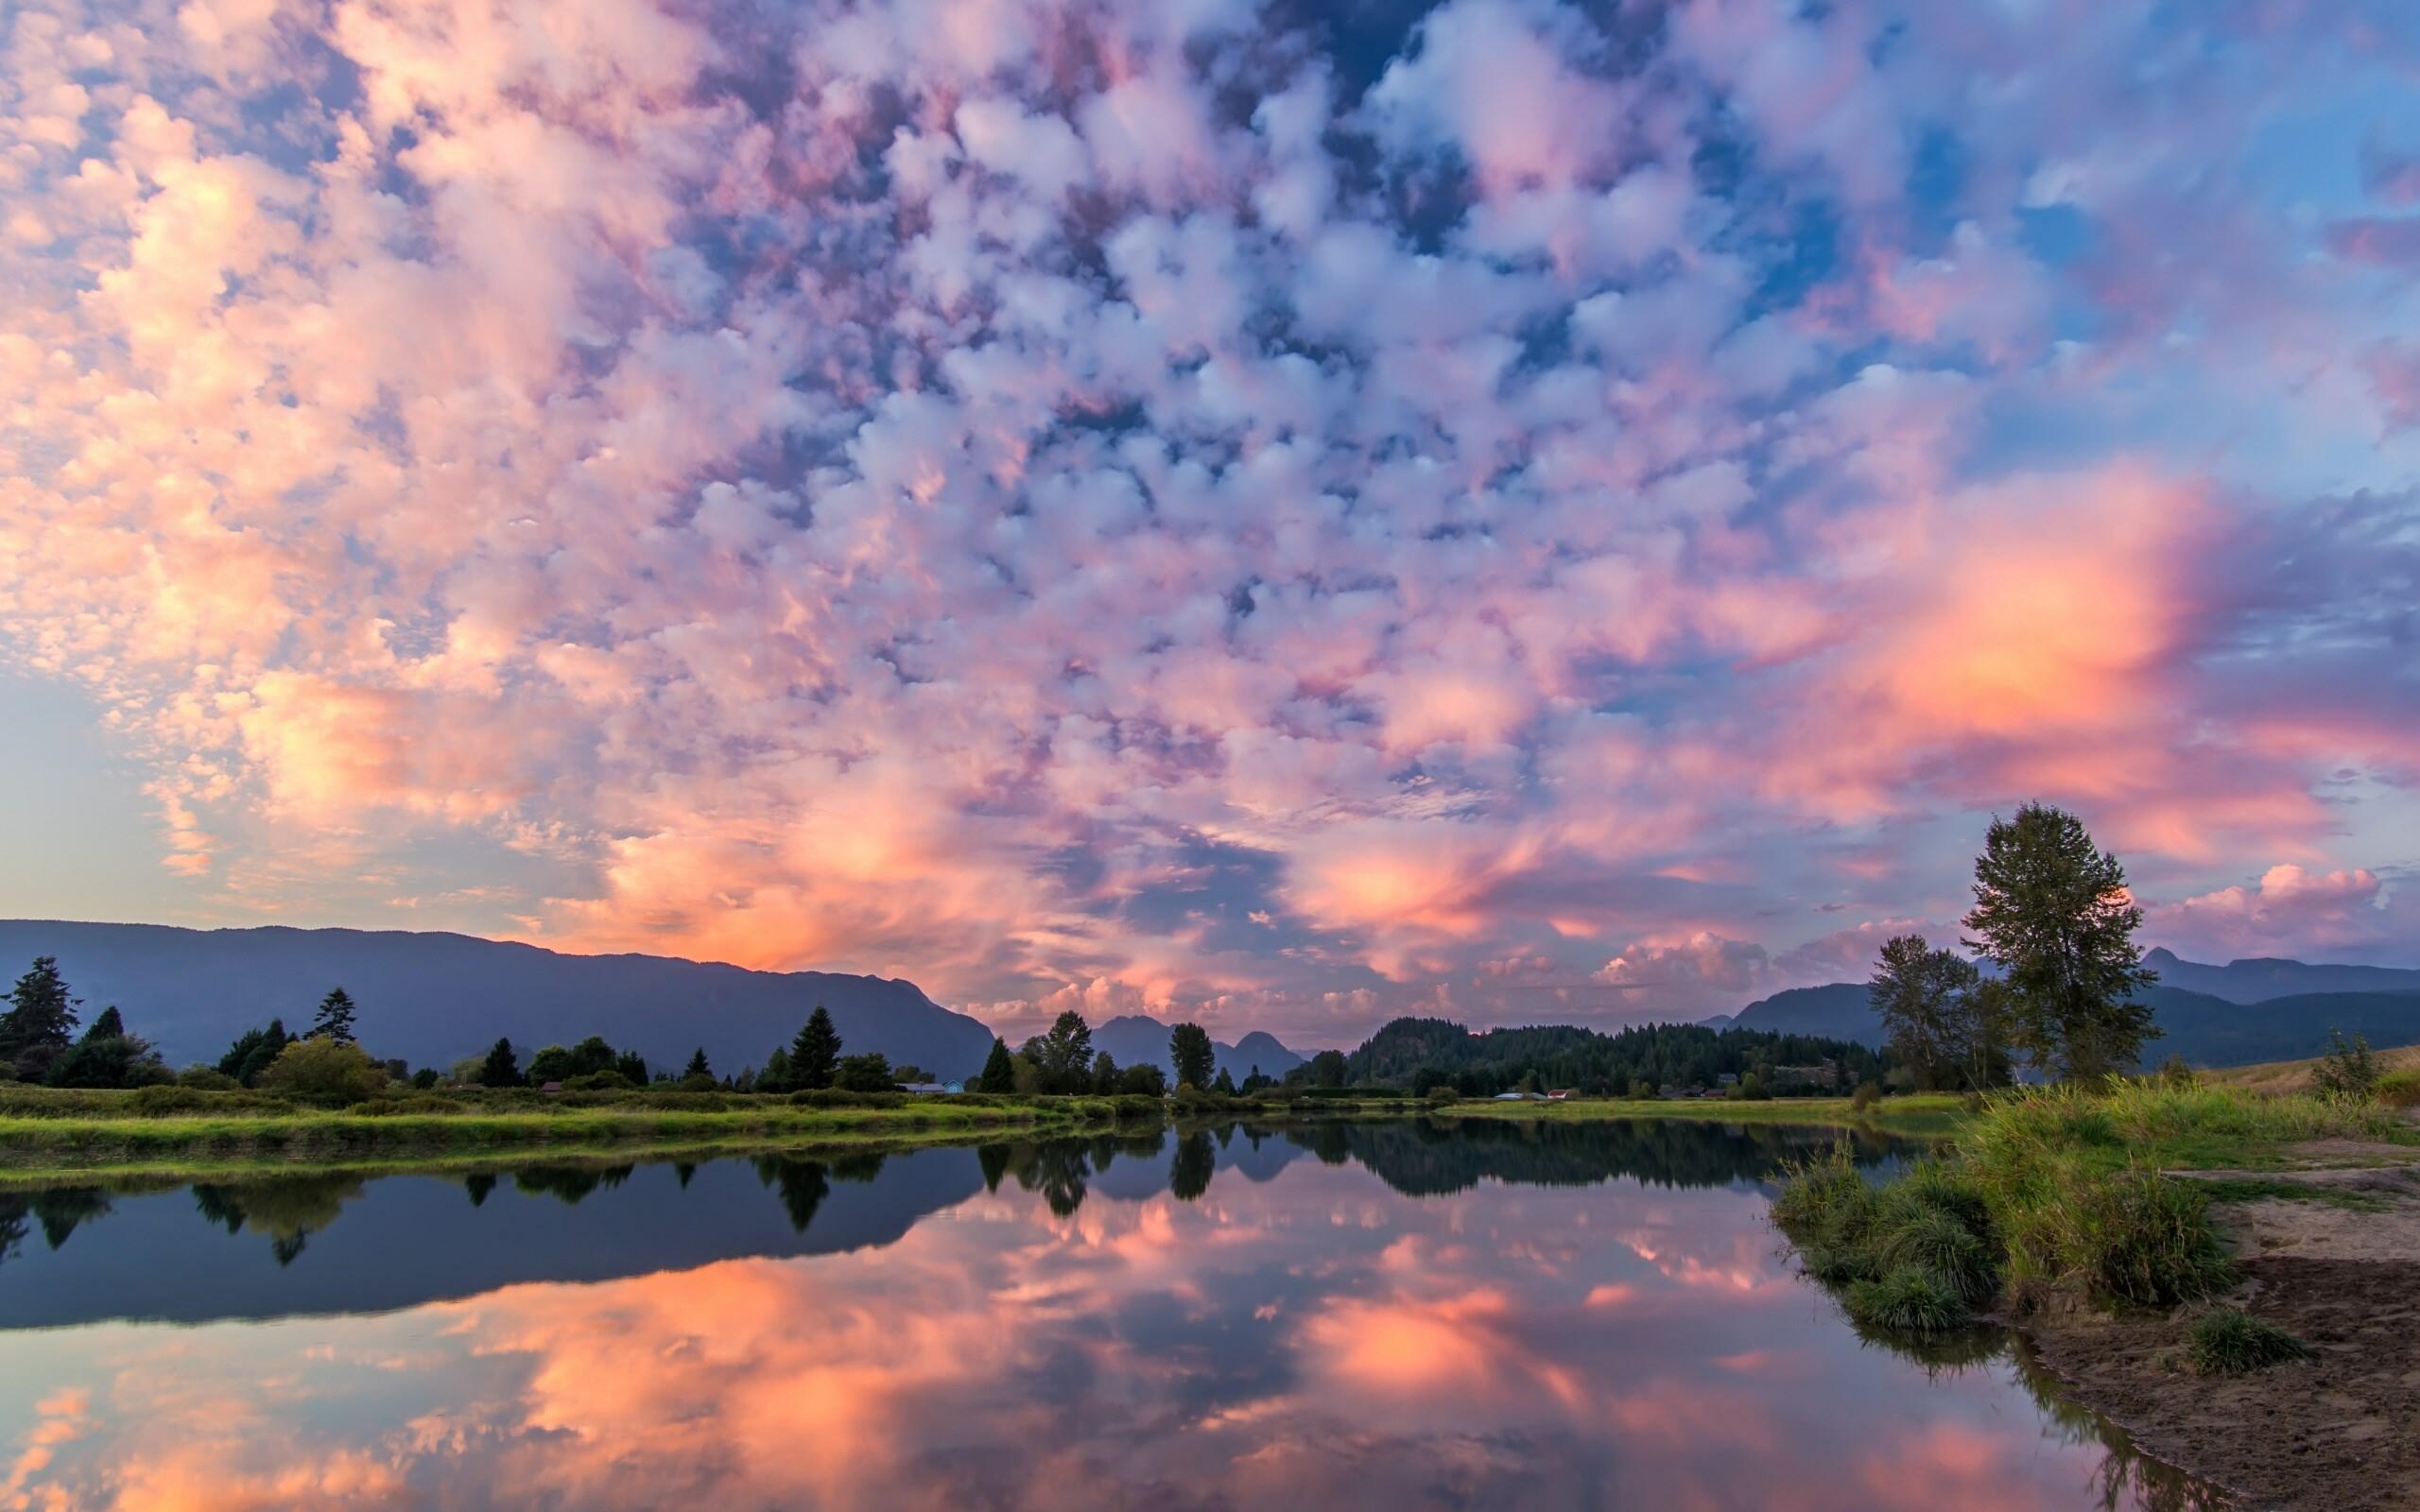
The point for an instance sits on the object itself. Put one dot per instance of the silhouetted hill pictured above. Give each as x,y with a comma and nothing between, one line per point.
1135,1039
433,999
1837,1011
2205,1029
2263,978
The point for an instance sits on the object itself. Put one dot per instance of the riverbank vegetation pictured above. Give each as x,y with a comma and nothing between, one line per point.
2053,1188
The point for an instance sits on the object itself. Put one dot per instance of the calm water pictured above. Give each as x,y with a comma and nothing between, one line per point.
1375,1314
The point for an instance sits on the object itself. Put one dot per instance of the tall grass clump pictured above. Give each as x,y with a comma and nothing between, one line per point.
1915,1257
2228,1341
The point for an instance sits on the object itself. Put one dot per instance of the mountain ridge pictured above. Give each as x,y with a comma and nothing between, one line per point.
434,997
2206,1027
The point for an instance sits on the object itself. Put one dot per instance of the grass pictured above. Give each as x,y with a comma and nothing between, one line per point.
74,1138
1925,1114
2056,1187
2228,1341
2253,1189
2283,1077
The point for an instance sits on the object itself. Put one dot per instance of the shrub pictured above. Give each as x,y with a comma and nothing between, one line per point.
2147,1239
1906,1300
2228,1341
2176,1071
1867,1094
1945,1250
2348,1070
325,1071
207,1079
600,1081
418,1104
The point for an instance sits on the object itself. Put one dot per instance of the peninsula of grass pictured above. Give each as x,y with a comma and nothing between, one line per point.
49,1132
2055,1189
1919,1116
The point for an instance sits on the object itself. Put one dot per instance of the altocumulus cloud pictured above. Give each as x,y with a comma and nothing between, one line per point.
1269,510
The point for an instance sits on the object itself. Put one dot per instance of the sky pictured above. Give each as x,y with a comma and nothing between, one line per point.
1278,513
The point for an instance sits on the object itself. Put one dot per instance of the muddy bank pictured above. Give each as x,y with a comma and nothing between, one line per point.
2340,1432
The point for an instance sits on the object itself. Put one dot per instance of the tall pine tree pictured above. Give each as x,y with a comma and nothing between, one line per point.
335,1020
40,1020
815,1052
999,1071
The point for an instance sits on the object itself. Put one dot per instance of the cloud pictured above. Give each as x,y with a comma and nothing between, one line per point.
2348,914
891,485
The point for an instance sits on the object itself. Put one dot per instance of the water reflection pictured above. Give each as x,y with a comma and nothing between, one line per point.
1211,1318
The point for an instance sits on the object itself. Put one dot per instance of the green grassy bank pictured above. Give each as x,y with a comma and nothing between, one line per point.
48,1133
1929,1115
2051,1188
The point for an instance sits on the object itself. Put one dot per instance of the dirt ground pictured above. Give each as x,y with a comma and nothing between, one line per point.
2340,1431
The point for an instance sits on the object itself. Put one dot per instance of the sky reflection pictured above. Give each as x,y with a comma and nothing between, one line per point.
1299,1333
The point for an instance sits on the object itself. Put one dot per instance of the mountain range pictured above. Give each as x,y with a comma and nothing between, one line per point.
1136,1039
2236,1014
434,998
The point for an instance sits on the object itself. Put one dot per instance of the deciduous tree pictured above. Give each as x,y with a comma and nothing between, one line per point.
2054,913
1190,1051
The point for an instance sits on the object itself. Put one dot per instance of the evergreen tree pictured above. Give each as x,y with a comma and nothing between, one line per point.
815,1055
697,1066
778,1075
40,1020
336,1018
107,1056
1225,1085
1189,1051
999,1071
632,1066
254,1052
1105,1073
502,1067
2053,912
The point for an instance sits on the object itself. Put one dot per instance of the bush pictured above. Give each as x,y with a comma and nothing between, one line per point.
2228,1341
325,1071
2348,1071
418,1104
600,1081
2147,1239
207,1079
1945,1250
1867,1094
1906,1300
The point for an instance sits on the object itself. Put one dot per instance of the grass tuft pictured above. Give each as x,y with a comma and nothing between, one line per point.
1906,1300
2228,1341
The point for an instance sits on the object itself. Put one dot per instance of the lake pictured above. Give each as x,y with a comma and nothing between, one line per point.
1335,1316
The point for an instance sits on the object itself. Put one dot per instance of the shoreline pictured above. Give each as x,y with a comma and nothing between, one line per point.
2338,1265
2145,1244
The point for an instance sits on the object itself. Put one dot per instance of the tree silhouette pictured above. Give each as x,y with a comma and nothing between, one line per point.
501,1069
335,1020
2055,914
815,1055
999,1071
1189,1050
40,1020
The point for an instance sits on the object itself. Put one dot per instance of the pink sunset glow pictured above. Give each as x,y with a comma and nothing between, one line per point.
1524,511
